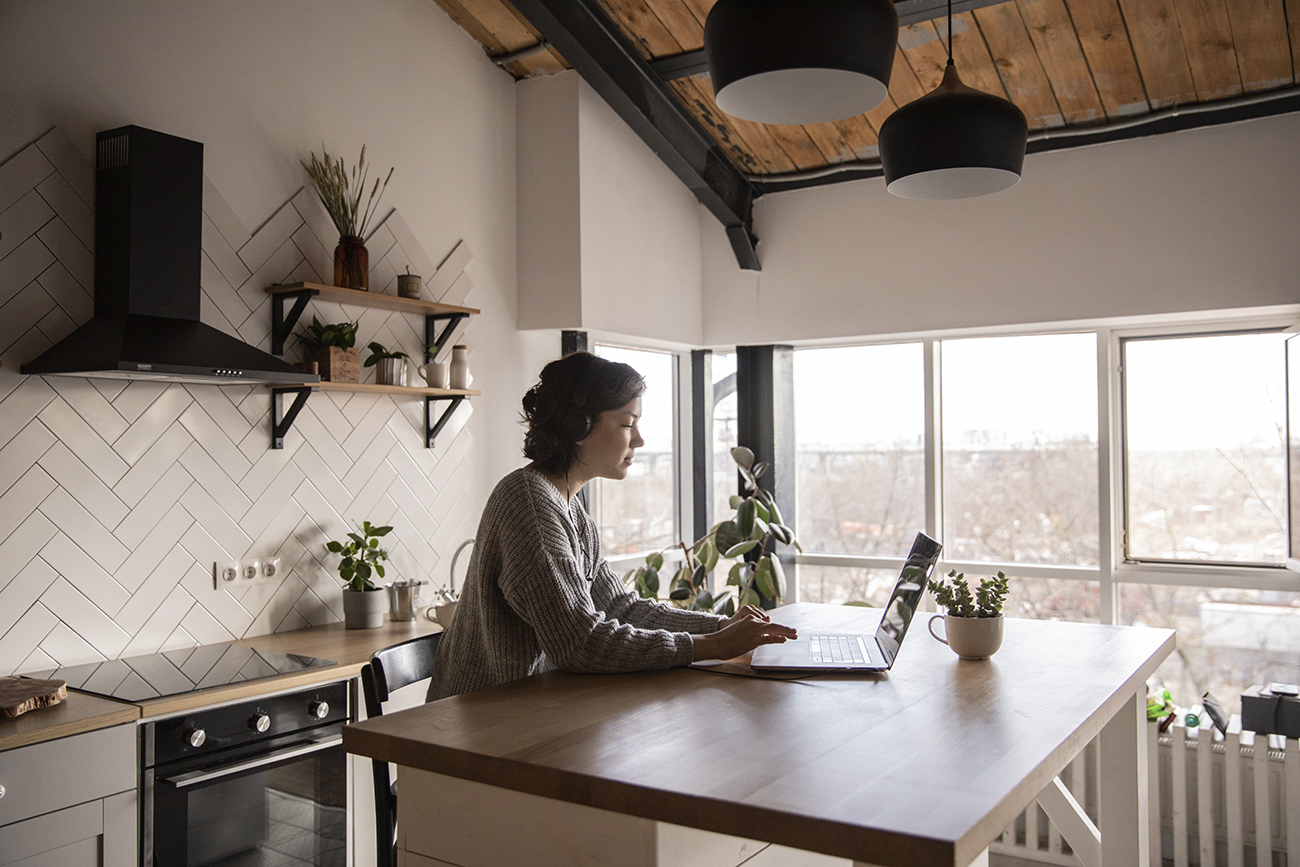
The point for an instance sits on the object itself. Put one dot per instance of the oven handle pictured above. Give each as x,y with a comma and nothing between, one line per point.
193,778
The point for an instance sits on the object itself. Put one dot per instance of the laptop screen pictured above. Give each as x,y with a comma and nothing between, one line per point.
908,591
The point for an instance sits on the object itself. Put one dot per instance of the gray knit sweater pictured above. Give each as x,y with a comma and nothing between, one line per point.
539,595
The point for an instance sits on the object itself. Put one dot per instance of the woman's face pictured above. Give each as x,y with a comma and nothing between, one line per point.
607,451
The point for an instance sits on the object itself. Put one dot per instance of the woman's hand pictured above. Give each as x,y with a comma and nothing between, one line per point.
740,634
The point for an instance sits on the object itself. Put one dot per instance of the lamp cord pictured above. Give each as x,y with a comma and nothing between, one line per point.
950,32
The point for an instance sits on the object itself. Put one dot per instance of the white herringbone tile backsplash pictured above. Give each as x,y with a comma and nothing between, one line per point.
117,498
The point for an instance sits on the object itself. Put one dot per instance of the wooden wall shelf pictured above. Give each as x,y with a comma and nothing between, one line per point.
434,313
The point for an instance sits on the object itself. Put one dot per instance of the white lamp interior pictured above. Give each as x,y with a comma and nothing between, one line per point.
804,95
962,182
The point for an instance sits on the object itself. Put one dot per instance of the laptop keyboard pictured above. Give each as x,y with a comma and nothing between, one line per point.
835,648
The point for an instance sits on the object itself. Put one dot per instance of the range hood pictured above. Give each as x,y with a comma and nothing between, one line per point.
148,255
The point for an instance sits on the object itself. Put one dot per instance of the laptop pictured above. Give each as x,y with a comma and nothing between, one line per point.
856,651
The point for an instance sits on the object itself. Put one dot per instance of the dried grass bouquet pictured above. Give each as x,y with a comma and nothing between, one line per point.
341,195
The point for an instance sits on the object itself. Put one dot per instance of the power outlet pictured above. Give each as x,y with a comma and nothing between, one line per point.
229,574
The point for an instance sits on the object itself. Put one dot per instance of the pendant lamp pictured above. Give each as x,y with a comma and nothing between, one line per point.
800,61
954,142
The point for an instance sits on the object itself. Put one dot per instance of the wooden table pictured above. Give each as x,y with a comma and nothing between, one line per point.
925,765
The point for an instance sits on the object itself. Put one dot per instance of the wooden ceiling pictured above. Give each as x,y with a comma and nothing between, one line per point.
1068,64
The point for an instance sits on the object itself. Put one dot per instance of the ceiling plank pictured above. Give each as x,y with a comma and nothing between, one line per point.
1259,29
1157,40
830,142
1058,50
859,134
797,144
1016,61
583,34
1105,44
1293,29
1207,35
679,18
641,27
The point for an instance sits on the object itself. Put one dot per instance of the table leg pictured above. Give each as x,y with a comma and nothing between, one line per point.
1124,811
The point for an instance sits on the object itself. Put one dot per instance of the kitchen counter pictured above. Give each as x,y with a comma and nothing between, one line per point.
349,648
77,713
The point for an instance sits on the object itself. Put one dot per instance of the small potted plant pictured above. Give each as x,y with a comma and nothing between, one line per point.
341,197
333,348
390,365
364,602
973,624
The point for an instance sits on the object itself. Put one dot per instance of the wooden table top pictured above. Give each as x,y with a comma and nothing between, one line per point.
925,764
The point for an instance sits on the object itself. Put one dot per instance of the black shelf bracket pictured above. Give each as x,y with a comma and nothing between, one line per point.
432,337
280,423
432,431
282,325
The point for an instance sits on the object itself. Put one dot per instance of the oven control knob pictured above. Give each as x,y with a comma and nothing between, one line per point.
259,722
196,737
319,709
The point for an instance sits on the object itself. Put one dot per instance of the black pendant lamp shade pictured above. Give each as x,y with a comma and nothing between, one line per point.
953,143
800,61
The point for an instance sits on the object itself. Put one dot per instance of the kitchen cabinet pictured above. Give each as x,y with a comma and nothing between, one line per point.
71,801
440,320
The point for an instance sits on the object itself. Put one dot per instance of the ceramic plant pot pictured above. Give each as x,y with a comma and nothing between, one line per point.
970,637
364,609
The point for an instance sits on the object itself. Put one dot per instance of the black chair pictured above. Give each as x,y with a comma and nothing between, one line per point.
390,669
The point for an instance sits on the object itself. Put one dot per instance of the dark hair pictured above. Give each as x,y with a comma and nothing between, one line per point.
562,407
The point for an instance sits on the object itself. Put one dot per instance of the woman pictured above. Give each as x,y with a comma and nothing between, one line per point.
538,594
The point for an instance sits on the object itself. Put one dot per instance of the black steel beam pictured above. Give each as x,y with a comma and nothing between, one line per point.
701,442
593,45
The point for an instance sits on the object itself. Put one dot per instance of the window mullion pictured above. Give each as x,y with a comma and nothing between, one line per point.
1109,473
933,439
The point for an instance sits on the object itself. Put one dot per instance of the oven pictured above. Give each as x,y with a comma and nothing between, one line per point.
253,783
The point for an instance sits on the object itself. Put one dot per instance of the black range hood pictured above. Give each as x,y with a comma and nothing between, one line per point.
148,255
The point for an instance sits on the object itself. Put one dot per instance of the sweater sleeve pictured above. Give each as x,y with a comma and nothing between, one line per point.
624,605
545,583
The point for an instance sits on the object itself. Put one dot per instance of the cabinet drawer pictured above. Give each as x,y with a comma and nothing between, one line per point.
55,774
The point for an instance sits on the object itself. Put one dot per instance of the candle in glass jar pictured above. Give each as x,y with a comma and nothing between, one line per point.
408,285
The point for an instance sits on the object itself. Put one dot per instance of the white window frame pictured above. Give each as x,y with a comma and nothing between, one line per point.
1112,571
681,403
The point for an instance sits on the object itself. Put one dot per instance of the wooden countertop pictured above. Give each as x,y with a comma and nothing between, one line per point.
925,764
77,713
349,648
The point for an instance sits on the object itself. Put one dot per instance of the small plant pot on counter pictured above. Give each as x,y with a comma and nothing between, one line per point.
364,609
969,637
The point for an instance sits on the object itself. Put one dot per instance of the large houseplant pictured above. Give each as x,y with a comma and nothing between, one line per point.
361,556
333,347
973,625
341,194
749,538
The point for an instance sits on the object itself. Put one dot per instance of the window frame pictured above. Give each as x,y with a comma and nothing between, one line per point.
1113,570
681,403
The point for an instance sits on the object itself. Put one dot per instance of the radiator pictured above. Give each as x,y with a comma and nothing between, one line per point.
1211,800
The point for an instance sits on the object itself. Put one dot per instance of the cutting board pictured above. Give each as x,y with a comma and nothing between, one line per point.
21,694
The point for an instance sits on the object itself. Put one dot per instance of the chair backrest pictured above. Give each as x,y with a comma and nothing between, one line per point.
391,669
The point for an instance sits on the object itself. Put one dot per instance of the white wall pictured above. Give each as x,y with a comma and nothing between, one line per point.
609,238
1198,220
114,501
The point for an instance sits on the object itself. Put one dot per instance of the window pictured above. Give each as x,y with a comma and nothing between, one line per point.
725,438
639,514
1174,512
1205,449
1020,449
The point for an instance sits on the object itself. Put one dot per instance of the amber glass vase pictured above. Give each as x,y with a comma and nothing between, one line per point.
352,264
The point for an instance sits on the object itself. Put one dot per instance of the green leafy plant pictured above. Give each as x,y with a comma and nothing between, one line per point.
317,336
749,538
956,597
341,195
378,352
361,555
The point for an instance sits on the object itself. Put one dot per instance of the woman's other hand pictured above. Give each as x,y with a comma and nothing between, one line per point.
740,634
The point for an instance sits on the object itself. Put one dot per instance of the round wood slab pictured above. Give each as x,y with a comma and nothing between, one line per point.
21,694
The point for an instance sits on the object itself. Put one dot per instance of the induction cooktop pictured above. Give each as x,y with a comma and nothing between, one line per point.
176,672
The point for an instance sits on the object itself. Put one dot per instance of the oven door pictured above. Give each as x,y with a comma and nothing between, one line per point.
282,803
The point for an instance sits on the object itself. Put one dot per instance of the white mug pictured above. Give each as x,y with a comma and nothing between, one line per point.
969,637
435,373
